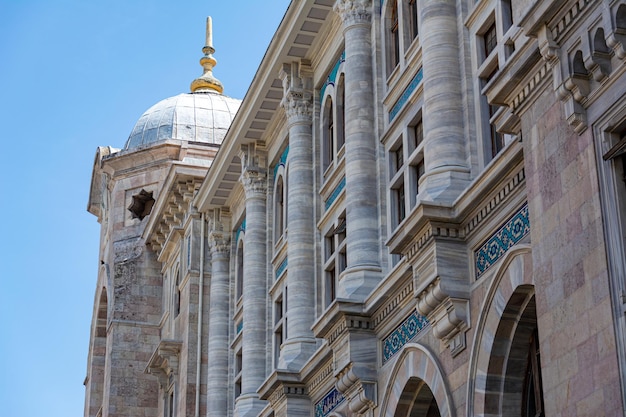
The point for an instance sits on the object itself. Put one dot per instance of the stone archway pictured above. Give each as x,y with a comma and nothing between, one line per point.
416,386
499,357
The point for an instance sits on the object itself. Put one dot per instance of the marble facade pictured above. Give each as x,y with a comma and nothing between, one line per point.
418,211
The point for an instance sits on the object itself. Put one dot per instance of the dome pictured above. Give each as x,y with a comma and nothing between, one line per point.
197,117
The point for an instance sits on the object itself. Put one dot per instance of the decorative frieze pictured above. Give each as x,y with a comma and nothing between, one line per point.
509,234
403,334
333,196
281,268
326,405
408,91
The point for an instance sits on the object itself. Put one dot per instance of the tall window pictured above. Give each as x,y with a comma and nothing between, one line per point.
279,206
341,113
406,167
239,272
328,134
394,36
238,372
413,19
177,290
334,258
490,39
279,328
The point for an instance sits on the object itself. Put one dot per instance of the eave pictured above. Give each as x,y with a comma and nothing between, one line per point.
295,39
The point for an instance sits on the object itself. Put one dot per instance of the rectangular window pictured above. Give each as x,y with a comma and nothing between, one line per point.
395,36
490,39
413,19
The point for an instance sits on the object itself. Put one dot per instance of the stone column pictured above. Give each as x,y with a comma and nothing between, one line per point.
297,101
362,216
217,383
254,341
445,158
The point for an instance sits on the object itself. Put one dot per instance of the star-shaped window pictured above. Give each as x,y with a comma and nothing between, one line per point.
142,204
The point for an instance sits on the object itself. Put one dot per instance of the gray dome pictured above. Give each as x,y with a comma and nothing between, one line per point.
198,117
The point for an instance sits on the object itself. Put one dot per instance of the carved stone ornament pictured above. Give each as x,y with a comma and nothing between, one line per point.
448,316
354,12
254,182
297,93
219,244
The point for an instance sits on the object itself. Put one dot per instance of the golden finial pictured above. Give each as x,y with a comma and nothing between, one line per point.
207,81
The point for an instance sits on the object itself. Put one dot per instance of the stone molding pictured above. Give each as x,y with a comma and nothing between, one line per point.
164,361
175,211
354,12
391,306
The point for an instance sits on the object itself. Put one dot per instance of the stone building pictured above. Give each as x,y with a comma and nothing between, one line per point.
418,210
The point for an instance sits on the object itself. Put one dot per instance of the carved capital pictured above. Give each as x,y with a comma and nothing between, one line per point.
254,182
354,12
297,92
219,243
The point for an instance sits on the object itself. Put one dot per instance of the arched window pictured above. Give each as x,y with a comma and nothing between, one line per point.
177,290
341,112
239,272
279,208
328,132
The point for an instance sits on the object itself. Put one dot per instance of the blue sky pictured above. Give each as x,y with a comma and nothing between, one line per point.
75,75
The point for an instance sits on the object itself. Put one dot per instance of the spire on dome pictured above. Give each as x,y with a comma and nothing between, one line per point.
207,82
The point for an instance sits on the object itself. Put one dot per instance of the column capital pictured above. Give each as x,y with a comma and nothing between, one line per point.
219,242
254,182
297,92
354,12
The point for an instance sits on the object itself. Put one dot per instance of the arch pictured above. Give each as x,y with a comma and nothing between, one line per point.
620,17
599,42
578,64
508,302
415,365
98,354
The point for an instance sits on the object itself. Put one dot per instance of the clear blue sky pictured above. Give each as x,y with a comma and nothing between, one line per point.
75,75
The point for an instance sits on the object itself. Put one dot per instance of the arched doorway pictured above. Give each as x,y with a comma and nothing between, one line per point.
417,400
505,369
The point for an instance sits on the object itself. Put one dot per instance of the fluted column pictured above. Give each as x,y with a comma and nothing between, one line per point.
362,216
297,102
217,383
254,342
446,167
